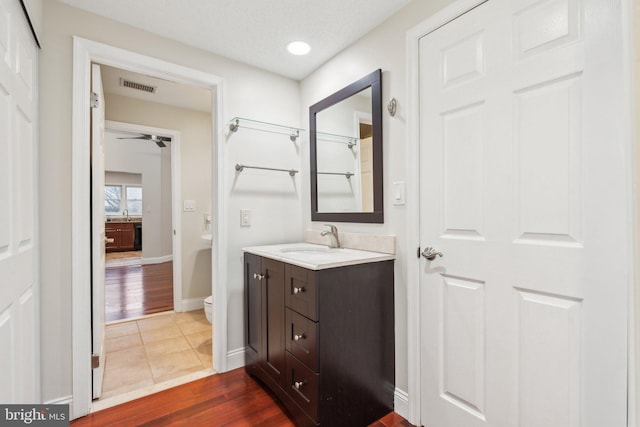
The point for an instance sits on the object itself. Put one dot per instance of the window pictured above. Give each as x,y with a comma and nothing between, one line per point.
112,198
134,200
115,204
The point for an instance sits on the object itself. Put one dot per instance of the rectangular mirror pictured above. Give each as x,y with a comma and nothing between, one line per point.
346,153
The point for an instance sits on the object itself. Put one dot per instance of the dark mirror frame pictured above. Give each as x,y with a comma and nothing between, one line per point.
373,80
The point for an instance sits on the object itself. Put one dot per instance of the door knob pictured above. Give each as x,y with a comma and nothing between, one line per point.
430,253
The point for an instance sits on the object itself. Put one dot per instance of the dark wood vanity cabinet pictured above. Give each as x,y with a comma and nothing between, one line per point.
265,316
322,341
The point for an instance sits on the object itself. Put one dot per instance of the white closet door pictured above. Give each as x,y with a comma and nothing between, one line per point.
18,244
523,191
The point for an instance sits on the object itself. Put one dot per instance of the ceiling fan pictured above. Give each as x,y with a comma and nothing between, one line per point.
159,140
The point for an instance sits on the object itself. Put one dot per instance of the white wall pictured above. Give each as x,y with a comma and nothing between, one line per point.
143,158
249,93
273,198
166,227
384,48
122,178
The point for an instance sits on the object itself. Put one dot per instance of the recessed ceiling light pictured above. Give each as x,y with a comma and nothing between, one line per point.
298,48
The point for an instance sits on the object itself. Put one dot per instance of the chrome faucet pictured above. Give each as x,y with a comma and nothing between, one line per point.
333,232
126,213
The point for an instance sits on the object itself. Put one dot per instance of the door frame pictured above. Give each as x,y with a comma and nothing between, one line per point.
176,211
414,345
84,52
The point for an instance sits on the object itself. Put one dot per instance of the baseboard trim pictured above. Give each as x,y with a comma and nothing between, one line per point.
235,359
192,304
65,400
157,260
401,403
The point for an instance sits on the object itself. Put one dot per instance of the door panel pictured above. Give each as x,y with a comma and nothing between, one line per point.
5,170
274,339
540,26
25,178
548,354
7,358
463,147
253,290
98,229
549,203
18,243
463,355
513,316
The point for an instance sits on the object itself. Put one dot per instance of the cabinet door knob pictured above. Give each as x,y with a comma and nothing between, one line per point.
258,276
299,337
298,384
298,290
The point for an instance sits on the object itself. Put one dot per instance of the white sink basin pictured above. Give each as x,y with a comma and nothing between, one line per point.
317,257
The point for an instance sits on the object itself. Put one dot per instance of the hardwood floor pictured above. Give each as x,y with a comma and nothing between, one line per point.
137,290
116,259
229,399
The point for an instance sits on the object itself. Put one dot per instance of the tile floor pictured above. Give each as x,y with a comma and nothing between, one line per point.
149,351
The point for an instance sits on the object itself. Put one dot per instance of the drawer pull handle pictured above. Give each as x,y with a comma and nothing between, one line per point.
298,384
298,290
258,276
299,337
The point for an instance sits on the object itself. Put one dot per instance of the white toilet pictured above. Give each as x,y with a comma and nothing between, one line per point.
208,307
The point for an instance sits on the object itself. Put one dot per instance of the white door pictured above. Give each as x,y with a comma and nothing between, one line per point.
523,191
97,234
19,376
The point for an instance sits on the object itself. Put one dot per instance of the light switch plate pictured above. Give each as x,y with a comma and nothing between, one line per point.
399,189
189,205
245,217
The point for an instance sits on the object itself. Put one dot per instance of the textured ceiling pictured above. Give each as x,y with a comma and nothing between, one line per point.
255,32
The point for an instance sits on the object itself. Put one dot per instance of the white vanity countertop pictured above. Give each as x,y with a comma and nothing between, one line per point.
317,257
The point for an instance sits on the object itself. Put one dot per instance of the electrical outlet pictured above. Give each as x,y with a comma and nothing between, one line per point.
245,217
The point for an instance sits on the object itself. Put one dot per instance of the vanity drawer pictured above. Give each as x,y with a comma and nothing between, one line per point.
302,339
302,385
301,292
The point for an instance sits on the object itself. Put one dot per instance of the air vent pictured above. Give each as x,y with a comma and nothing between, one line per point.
137,86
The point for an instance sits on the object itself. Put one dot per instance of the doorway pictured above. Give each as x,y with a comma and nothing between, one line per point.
86,51
142,198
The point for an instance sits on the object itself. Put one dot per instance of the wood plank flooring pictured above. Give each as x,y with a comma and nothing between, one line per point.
229,399
137,290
